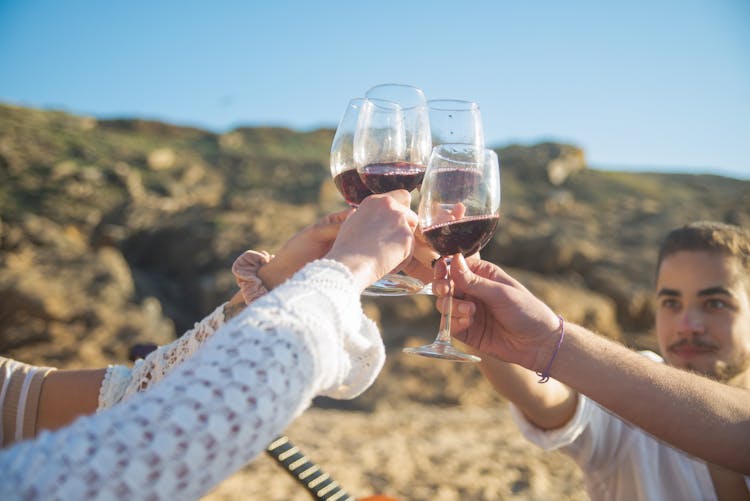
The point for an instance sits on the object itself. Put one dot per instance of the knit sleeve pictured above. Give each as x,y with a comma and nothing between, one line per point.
219,408
121,382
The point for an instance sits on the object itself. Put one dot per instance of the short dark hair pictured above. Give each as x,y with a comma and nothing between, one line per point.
710,236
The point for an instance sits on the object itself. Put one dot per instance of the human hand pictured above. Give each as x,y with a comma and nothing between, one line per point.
308,244
496,314
377,238
421,263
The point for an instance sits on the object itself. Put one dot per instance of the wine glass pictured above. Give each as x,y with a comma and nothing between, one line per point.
391,149
415,115
455,121
405,95
458,212
391,145
343,168
351,187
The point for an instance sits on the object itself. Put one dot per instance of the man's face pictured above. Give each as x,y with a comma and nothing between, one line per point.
703,314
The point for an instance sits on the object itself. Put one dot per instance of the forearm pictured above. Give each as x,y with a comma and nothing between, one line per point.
67,395
234,306
548,406
700,416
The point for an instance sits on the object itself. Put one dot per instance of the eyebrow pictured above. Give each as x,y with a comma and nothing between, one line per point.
710,291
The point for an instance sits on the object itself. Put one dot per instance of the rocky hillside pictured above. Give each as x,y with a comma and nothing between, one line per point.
119,231
114,232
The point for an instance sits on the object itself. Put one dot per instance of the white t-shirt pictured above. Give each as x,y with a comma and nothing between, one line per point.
621,461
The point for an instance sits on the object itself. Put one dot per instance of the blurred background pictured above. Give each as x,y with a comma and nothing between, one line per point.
144,145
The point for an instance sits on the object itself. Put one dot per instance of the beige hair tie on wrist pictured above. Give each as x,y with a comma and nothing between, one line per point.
245,270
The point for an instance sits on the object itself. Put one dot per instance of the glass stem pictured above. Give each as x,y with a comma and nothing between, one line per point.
444,334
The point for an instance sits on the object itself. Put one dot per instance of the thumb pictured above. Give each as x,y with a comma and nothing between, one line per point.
338,217
325,232
466,281
402,196
328,227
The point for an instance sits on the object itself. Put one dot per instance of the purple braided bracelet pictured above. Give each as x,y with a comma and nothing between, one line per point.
545,374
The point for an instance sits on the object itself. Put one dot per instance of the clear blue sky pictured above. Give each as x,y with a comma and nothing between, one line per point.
663,85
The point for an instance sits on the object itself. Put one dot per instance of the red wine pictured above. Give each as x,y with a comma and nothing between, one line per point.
466,236
383,177
351,187
456,185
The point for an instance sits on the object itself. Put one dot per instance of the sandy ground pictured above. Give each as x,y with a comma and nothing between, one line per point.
418,451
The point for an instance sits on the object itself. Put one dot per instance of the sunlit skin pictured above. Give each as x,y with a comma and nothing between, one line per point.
703,315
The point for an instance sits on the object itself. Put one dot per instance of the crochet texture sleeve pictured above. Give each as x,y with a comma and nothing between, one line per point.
121,382
218,409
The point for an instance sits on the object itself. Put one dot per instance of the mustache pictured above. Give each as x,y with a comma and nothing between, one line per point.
697,343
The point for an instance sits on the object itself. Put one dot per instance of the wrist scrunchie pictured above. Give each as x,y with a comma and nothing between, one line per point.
245,270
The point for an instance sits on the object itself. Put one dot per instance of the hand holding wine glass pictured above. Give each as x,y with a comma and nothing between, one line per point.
350,185
387,136
458,213
376,238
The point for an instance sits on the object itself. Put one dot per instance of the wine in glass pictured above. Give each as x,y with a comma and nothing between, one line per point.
343,168
458,212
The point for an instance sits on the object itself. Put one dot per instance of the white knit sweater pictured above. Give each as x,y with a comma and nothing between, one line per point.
219,408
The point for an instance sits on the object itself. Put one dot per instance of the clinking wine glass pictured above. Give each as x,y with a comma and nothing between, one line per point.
350,185
391,149
455,121
343,169
393,143
458,212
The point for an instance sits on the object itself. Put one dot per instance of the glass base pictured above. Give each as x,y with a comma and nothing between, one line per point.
394,285
443,351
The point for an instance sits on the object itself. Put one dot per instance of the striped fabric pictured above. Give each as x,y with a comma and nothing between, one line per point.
20,388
